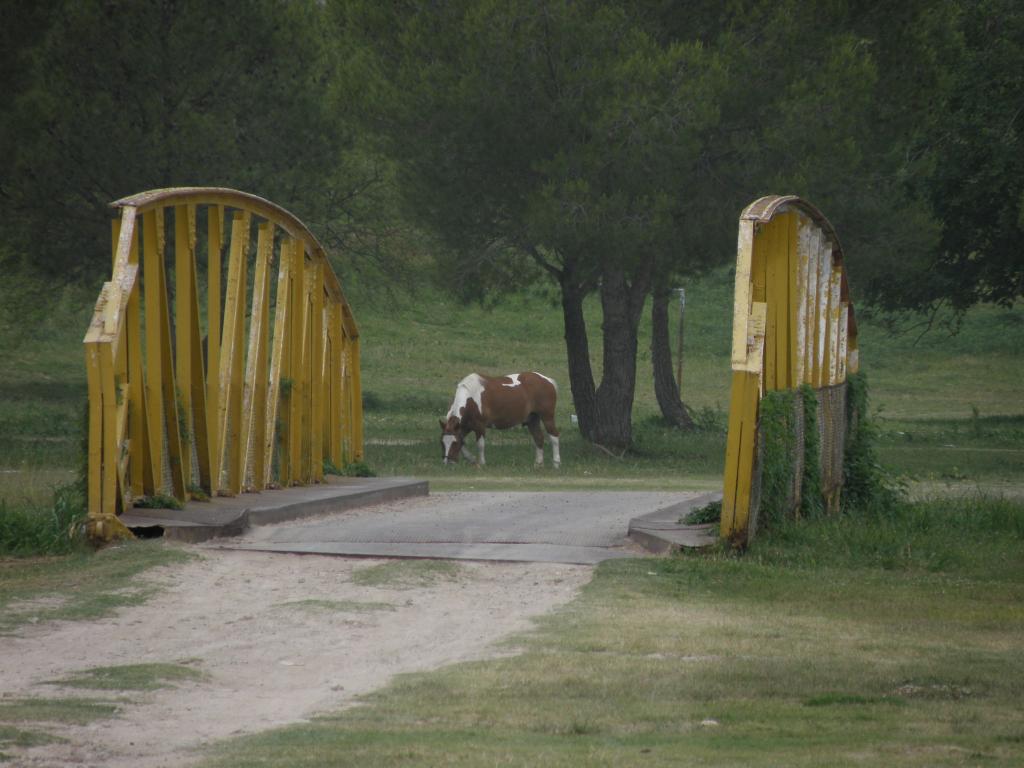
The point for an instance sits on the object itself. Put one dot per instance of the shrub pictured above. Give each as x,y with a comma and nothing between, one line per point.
866,483
30,530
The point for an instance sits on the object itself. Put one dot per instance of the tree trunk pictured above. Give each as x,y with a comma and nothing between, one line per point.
622,304
666,388
577,347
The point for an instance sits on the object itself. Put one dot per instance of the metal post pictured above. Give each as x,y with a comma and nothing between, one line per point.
679,346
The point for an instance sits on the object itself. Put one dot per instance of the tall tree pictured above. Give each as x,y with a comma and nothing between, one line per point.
555,133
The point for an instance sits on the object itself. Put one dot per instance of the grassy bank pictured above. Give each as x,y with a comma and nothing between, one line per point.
853,642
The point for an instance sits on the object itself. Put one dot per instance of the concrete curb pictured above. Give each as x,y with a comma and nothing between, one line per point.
220,517
661,532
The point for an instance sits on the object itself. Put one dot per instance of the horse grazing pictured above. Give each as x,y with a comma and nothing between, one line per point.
501,402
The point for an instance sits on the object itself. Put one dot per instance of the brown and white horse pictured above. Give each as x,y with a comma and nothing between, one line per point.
501,402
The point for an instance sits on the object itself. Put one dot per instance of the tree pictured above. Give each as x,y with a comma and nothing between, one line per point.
113,98
976,184
553,134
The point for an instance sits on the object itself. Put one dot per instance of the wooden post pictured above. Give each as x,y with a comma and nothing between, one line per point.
279,367
214,236
231,361
253,437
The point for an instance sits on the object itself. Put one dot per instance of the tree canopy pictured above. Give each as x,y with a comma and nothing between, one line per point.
603,146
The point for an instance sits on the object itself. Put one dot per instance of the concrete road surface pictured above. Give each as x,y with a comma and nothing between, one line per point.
571,527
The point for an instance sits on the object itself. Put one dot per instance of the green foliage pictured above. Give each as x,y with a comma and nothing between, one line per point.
30,529
777,452
157,501
866,483
196,493
709,513
977,536
812,502
358,469
250,112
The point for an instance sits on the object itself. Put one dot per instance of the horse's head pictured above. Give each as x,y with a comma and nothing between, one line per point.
451,440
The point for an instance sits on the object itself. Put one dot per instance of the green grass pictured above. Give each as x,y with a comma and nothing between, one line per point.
963,391
800,657
79,586
131,677
70,711
407,573
18,737
889,639
32,528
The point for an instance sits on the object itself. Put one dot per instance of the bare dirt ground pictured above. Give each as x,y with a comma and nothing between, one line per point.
267,657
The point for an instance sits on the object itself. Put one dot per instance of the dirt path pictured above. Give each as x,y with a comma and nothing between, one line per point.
269,656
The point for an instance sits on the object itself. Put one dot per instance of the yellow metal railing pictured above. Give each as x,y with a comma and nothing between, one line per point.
170,412
793,324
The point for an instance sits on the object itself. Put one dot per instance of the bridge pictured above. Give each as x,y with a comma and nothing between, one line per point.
190,397
189,394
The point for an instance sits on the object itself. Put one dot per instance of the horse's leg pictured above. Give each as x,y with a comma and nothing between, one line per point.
553,435
480,442
533,424
465,451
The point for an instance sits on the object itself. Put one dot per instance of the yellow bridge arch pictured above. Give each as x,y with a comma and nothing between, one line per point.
793,324
271,409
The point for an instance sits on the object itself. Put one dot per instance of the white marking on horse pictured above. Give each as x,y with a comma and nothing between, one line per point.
515,380
470,388
546,378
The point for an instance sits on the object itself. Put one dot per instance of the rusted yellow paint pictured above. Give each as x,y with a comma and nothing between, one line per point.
140,374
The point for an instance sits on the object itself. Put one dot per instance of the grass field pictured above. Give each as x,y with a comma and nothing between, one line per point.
951,408
888,639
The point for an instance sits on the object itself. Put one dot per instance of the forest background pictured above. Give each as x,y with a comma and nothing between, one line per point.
587,151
